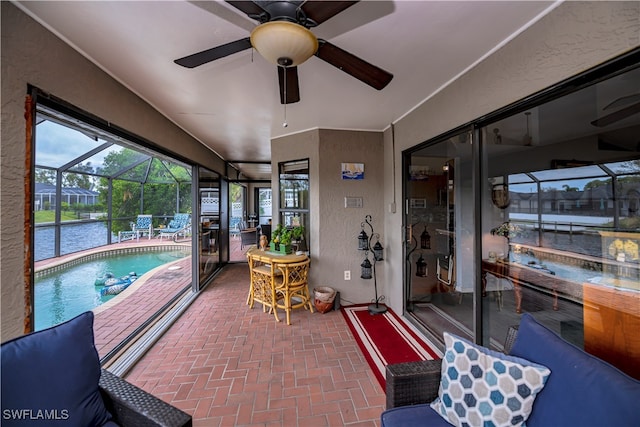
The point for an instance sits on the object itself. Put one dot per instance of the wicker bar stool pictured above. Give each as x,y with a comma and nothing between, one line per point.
264,278
293,291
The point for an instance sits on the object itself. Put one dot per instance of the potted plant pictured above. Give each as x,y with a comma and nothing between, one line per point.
297,236
274,246
285,241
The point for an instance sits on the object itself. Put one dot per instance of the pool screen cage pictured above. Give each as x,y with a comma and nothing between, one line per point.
86,175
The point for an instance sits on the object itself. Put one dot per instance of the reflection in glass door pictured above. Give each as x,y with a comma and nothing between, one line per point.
209,224
438,239
263,197
237,221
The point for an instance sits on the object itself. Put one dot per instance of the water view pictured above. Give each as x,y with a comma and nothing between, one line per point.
73,238
66,293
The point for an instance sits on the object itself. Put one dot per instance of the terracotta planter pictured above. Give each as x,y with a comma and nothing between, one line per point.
323,298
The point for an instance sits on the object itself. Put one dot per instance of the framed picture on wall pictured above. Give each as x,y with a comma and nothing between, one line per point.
353,171
419,173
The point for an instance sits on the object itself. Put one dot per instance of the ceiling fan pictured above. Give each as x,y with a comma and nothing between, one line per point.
283,38
630,105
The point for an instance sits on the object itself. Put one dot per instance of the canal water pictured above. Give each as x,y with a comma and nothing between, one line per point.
73,238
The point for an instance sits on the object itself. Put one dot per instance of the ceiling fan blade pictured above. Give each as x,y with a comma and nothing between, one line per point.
291,85
250,8
212,54
354,66
320,11
617,115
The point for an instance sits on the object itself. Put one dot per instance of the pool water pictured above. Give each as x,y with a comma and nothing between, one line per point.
67,293
564,271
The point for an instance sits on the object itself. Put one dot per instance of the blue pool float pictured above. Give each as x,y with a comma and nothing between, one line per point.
114,285
100,281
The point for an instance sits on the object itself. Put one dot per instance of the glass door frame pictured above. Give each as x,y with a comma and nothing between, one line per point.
600,73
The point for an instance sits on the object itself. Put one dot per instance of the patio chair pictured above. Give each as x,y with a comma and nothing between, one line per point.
248,236
293,291
142,225
178,225
234,226
264,277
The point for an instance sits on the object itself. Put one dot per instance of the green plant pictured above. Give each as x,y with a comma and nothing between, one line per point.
276,233
297,233
285,237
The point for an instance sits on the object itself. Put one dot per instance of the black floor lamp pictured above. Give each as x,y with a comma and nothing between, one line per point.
364,244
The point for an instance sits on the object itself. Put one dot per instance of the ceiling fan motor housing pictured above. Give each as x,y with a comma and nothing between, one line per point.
282,10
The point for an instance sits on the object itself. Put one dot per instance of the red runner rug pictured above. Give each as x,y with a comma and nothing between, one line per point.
385,339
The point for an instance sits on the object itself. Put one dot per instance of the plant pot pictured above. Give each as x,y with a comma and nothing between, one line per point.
323,298
284,249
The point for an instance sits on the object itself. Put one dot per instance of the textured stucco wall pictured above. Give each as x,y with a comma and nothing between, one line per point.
340,226
33,55
572,38
334,229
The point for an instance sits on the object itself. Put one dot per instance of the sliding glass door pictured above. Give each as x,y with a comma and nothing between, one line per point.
209,230
535,210
439,224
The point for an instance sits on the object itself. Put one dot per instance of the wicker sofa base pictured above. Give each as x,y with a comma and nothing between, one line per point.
132,406
412,383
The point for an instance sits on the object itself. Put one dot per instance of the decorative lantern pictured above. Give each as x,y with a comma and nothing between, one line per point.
377,251
366,269
421,267
425,239
363,241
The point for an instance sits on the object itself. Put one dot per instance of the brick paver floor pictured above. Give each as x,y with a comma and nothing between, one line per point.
229,365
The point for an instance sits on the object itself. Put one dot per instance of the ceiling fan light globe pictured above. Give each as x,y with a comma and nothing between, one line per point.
281,39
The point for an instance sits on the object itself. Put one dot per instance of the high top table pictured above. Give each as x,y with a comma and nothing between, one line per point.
263,276
269,257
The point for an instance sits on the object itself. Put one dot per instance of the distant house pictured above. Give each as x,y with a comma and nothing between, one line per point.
45,196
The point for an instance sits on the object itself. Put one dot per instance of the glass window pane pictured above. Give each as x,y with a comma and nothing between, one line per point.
294,197
565,249
80,170
621,168
567,173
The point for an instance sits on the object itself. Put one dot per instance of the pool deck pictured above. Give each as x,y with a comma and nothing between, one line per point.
120,316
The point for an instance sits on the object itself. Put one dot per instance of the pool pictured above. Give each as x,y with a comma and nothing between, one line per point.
564,271
69,291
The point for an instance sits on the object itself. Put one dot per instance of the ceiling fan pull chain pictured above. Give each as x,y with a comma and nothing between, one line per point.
284,125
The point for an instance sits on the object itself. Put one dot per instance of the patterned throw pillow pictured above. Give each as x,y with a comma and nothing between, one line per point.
481,387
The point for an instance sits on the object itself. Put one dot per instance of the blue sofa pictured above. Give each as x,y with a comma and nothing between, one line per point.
580,390
53,378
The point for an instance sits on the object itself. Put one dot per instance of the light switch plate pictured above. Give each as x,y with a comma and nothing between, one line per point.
353,202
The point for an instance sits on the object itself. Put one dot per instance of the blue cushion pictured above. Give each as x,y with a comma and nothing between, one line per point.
50,377
482,387
413,416
582,389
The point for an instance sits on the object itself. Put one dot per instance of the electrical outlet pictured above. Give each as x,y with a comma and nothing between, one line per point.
347,275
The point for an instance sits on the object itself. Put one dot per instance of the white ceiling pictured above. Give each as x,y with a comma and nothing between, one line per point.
232,104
